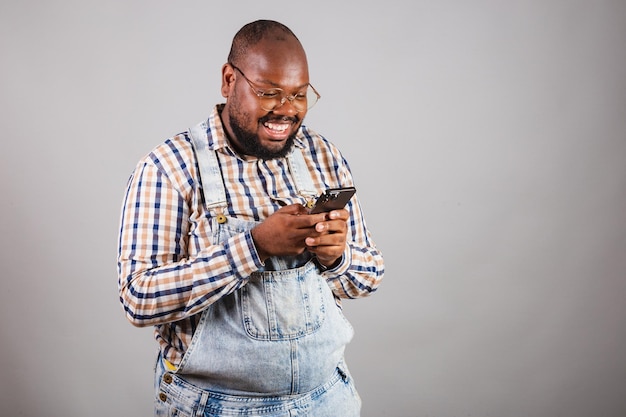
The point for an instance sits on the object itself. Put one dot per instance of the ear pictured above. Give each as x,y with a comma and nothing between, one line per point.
228,80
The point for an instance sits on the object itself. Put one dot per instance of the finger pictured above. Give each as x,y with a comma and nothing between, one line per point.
333,226
342,214
332,239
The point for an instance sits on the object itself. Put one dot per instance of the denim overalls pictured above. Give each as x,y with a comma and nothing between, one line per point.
273,348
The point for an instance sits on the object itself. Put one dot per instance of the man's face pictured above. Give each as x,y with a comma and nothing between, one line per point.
263,134
253,130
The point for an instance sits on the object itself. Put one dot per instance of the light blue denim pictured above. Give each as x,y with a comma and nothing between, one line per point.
274,348
177,397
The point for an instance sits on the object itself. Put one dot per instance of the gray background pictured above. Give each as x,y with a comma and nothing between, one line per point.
488,142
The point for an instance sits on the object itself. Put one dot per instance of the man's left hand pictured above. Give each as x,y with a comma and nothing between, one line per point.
331,243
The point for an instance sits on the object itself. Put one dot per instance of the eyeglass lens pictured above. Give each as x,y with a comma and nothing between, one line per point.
274,99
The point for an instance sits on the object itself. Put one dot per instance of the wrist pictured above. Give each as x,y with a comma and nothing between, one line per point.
328,264
263,255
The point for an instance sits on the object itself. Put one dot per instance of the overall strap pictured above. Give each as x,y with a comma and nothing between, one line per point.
210,173
301,175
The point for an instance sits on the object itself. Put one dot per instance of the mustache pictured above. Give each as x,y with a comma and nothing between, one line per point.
272,118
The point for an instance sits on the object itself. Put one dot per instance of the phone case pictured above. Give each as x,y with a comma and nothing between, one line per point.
333,199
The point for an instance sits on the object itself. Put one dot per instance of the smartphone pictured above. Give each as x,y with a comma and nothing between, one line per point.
333,199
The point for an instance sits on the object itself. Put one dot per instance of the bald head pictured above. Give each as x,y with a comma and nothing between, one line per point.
265,55
256,32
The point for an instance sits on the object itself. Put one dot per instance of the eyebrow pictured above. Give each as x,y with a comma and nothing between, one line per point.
275,85
264,81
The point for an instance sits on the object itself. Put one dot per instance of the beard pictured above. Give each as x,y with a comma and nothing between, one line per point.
249,142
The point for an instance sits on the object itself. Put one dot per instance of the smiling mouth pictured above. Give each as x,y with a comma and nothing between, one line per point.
277,128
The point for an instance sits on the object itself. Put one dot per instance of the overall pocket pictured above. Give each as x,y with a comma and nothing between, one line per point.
283,305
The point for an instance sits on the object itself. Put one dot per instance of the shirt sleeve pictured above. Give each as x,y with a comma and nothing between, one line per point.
361,269
159,281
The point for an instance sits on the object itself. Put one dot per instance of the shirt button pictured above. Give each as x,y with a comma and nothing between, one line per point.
167,378
162,397
221,219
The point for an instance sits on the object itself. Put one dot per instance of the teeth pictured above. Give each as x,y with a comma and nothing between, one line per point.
278,127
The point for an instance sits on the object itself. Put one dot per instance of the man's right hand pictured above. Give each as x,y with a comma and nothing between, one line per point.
284,232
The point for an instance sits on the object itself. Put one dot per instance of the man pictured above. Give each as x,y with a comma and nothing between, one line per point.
219,252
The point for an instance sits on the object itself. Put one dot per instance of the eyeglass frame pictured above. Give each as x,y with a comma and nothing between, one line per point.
260,93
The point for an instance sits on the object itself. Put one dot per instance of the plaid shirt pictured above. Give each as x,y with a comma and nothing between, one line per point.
168,268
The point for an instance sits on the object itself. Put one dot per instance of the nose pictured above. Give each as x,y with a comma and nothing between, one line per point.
286,106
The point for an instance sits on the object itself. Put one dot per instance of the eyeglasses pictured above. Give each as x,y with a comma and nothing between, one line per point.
273,98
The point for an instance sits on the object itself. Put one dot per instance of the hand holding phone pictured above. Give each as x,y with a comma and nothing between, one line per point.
333,199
